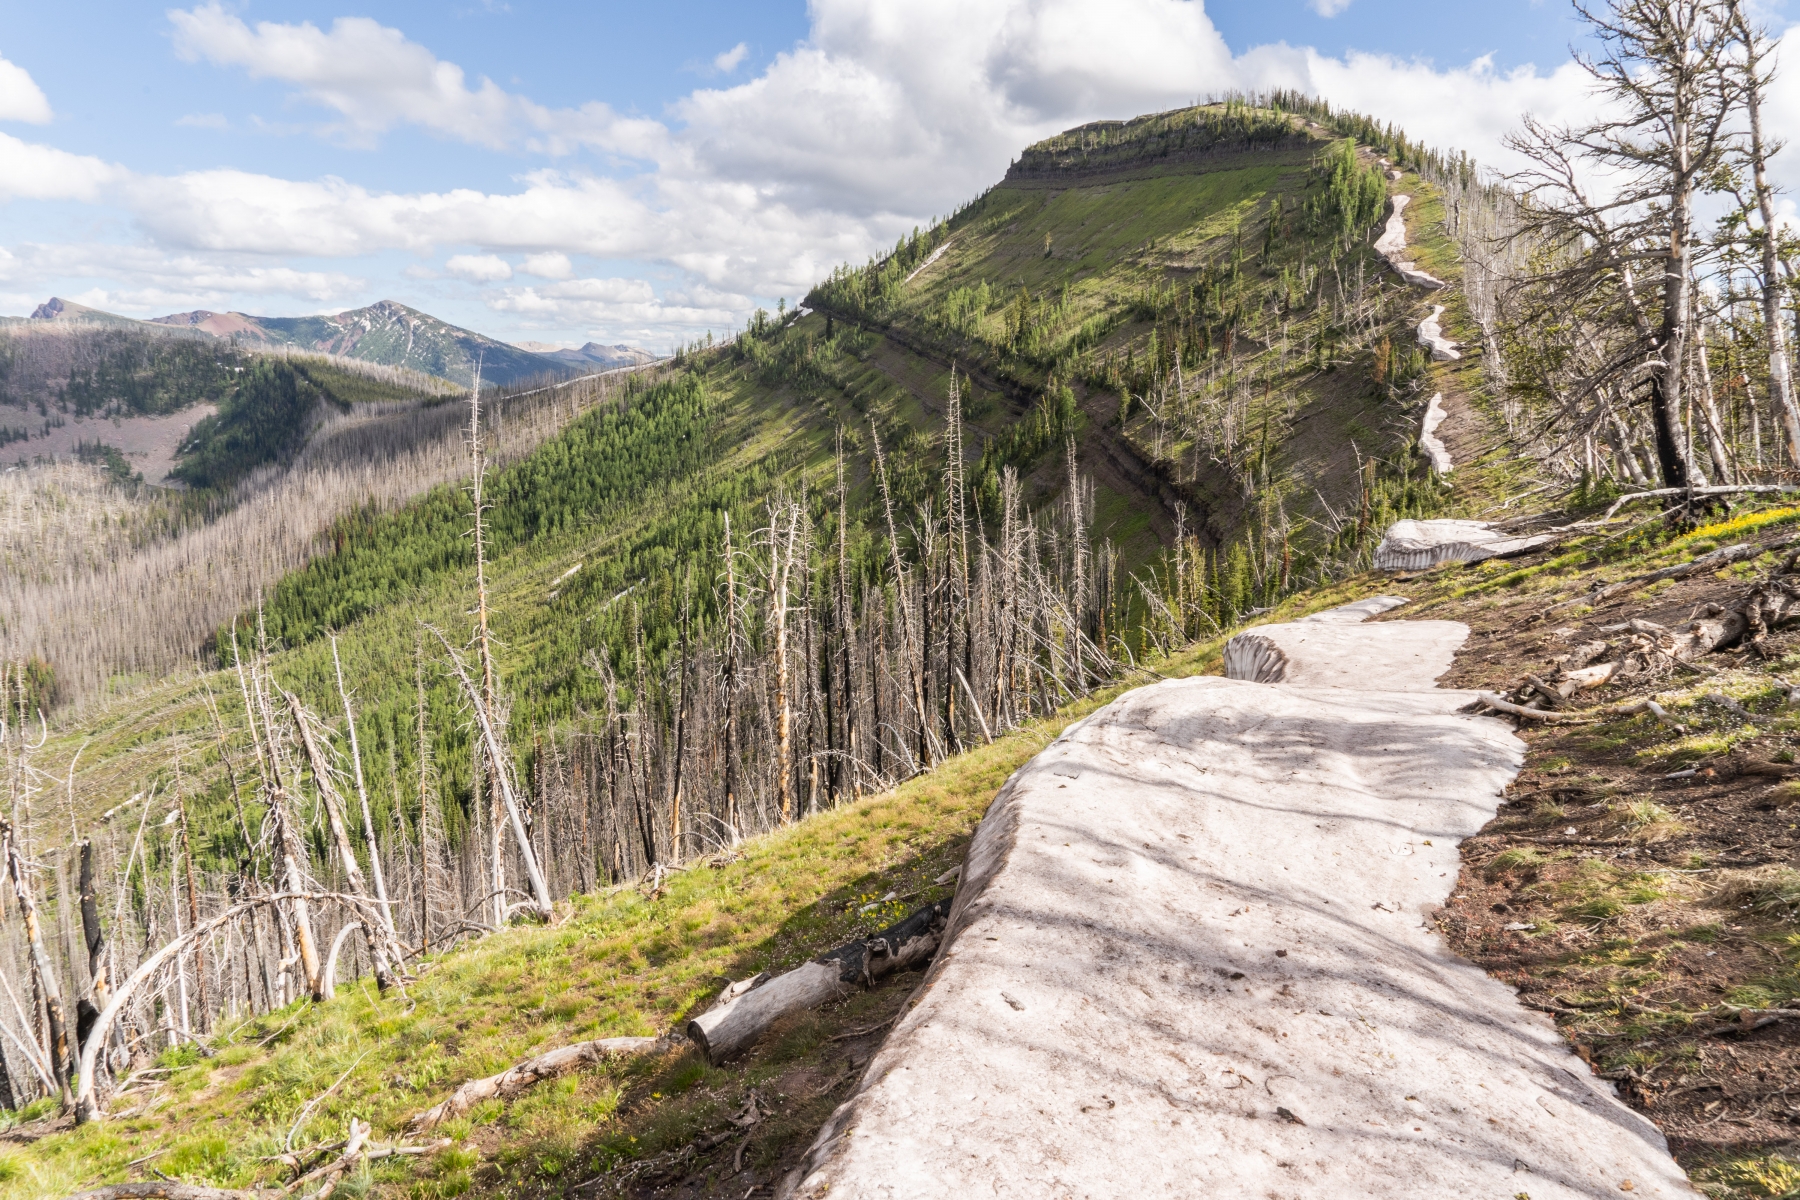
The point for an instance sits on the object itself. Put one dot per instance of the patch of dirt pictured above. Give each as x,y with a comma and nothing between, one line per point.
1624,885
148,443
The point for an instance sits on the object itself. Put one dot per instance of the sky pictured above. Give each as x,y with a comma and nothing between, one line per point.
639,173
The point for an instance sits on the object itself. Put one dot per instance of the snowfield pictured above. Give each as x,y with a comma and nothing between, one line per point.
1193,955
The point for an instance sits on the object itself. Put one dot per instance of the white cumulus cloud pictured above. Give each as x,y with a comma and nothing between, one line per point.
729,61
374,77
20,97
1328,8
31,171
552,265
479,268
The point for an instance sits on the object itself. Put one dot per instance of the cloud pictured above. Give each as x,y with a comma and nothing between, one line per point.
479,268
20,97
30,171
371,75
148,282
729,61
551,265
375,78
204,121
627,307
1328,8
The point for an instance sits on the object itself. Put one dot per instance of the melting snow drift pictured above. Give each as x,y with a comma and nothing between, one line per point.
1193,955
1416,545
1391,245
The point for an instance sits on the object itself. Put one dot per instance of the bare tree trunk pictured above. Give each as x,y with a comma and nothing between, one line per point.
846,622
1781,383
362,794
781,572
501,781
287,840
497,768
193,904
731,672
913,652
340,837
44,971
1715,433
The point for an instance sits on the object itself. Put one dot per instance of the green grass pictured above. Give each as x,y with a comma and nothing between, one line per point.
614,964
617,964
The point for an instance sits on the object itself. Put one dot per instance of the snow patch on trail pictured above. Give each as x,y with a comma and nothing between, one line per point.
1431,335
1429,442
1391,245
1193,955
1416,545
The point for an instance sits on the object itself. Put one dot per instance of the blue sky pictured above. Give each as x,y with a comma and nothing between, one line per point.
629,172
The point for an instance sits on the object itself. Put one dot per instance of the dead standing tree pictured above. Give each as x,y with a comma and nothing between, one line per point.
1662,73
1755,55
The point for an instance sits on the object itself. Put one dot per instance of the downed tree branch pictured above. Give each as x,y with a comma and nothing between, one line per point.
741,1018
516,1079
86,1106
1548,716
1582,717
166,1189
1724,556
300,1120
1736,489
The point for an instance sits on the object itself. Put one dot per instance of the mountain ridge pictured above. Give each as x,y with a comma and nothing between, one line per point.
387,332
619,354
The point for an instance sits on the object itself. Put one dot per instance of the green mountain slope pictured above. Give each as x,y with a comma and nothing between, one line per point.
1204,247
1181,312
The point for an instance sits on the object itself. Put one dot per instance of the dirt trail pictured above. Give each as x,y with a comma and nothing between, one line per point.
1192,955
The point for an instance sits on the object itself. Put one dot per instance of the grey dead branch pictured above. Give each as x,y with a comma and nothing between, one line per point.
1635,652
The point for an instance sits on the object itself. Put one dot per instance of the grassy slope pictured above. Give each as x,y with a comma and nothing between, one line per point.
615,964
623,964
772,427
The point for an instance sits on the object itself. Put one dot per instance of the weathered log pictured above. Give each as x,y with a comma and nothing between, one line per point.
1736,489
734,1025
517,1079
1724,556
166,1189
1530,714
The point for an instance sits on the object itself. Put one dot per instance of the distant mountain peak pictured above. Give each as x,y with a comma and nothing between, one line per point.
60,310
386,332
593,354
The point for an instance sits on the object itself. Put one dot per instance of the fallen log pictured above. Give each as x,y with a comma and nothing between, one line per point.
1532,714
1564,717
734,1025
167,1189
1736,489
1717,559
516,1079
